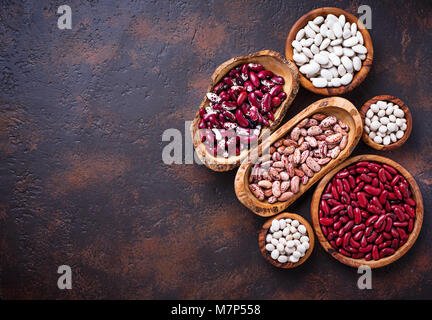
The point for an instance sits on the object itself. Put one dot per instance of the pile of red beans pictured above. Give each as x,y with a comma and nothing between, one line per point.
240,104
367,211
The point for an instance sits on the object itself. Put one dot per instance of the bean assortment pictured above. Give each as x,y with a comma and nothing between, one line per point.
241,103
385,122
329,51
294,159
367,211
287,240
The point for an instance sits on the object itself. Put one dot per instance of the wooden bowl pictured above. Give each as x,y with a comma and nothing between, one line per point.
358,262
272,61
408,117
262,240
337,106
358,76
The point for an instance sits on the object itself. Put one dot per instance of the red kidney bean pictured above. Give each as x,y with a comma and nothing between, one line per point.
390,211
387,236
386,252
358,228
357,236
241,98
278,80
364,241
326,221
357,216
275,90
389,169
361,197
359,187
379,239
410,225
410,202
366,249
342,174
254,79
336,209
264,74
282,96
371,190
380,221
375,253
372,237
382,176
334,193
395,243
344,252
266,103
275,102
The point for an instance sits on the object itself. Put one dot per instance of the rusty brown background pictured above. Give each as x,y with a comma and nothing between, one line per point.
82,113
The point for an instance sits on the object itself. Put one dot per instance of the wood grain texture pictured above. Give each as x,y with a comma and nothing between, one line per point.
358,262
272,61
336,106
262,240
358,76
365,136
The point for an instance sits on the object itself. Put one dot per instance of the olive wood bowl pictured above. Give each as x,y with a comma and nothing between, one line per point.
341,108
272,61
358,262
262,240
365,137
358,76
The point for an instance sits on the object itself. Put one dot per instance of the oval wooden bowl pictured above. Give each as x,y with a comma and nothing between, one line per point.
341,108
358,76
358,262
272,61
262,240
408,117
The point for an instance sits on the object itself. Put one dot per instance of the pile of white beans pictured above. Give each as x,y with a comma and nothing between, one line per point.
329,51
385,122
287,240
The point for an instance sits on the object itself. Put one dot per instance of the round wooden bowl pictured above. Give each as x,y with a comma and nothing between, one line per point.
365,136
262,240
340,108
358,76
358,262
272,61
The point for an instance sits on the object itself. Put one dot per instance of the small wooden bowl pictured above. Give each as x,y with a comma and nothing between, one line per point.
358,262
272,61
262,240
365,136
358,76
337,106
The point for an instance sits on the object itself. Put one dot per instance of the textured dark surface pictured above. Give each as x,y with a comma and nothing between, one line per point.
82,113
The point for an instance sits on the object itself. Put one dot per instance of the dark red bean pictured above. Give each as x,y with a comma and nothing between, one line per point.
371,190
264,74
382,175
276,101
344,252
326,221
390,169
386,252
358,228
366,249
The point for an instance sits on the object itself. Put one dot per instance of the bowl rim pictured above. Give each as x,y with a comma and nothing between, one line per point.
401,251
262,240
226,164
359,76
408,116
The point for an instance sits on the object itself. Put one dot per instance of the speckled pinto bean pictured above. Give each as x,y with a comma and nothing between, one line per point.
367,211
294,159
